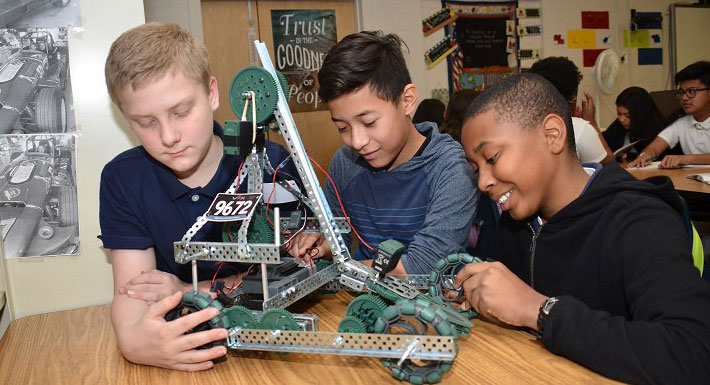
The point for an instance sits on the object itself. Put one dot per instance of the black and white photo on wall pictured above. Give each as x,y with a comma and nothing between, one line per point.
38,200
35,86
40,13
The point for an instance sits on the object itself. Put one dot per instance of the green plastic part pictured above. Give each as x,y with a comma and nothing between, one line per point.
351,324
383,291
193,302
426,313
239,316
259,81
367,308
278,319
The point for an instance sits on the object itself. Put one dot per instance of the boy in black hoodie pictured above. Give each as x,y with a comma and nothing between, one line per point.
597,263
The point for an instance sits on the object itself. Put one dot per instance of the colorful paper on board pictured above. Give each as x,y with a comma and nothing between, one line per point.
581,38
640,38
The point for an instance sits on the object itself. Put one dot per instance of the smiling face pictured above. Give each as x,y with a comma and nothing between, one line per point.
379,130
622,113
173,119
698,106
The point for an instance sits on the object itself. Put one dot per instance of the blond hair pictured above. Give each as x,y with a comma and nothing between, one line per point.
149,51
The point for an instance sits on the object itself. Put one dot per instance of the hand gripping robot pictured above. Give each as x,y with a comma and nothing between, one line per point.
407,322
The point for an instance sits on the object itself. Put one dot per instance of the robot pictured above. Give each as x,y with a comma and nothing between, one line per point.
407,322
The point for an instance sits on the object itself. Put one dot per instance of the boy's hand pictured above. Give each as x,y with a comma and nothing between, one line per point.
643,160
496,293
156,342
309,245
588,108
674,161
153,285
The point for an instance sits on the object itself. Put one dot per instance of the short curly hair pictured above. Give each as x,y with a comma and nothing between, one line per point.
561,72
524,100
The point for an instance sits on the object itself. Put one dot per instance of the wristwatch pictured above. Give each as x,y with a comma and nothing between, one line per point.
545,308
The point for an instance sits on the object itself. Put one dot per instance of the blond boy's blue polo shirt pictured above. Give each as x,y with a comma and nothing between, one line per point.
144,205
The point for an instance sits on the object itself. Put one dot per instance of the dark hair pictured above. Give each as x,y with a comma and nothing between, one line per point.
561,72
525,100
453,117
430,110
699,70
365,58
646,119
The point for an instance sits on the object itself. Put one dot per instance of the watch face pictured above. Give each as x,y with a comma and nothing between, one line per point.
547,305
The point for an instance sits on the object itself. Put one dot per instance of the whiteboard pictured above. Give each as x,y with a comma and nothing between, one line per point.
689,35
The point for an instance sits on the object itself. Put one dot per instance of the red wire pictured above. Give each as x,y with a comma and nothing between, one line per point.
273,183
340,202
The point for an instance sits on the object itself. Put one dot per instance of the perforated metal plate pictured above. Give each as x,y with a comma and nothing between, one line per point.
218,251
351,344
398,286
303,288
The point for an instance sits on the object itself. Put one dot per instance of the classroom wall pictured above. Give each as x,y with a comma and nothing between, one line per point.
38,285
404,18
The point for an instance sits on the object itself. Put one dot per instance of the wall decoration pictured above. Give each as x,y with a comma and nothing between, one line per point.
640,38
589,56
440,51
595,20
301,40
35,88
38,202
650,56
40,13
581,38
438,20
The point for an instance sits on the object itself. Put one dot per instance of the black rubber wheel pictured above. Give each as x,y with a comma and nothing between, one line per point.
68,206
51,110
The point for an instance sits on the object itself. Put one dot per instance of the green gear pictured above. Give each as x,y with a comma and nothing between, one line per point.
431,371
239,316
278,319
383,291
260,81
321,263
260,231
193,302
351,324
367,308
284,85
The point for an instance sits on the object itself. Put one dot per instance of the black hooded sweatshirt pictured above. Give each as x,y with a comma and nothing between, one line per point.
632,306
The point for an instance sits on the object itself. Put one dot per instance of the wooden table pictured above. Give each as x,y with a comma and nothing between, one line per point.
695,193
79,347
678,177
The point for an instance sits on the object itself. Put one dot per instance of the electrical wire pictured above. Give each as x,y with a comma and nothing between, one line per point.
347,218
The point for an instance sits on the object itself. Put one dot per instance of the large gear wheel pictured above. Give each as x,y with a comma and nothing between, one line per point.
193,302
367,308
351,324
398,318
260,81
239,316
278,319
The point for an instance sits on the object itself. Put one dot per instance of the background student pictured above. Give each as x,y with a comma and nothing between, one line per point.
430,110
596,262
396,180
638,120
565,76
453,116
691,131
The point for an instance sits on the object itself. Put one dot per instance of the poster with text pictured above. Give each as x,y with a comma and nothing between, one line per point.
39,213
301,40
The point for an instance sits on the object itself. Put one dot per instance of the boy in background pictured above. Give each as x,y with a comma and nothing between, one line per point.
396,180
159,77
565,76
692,130
593,260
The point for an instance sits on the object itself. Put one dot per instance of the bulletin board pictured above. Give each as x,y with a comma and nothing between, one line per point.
688,35
485,32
